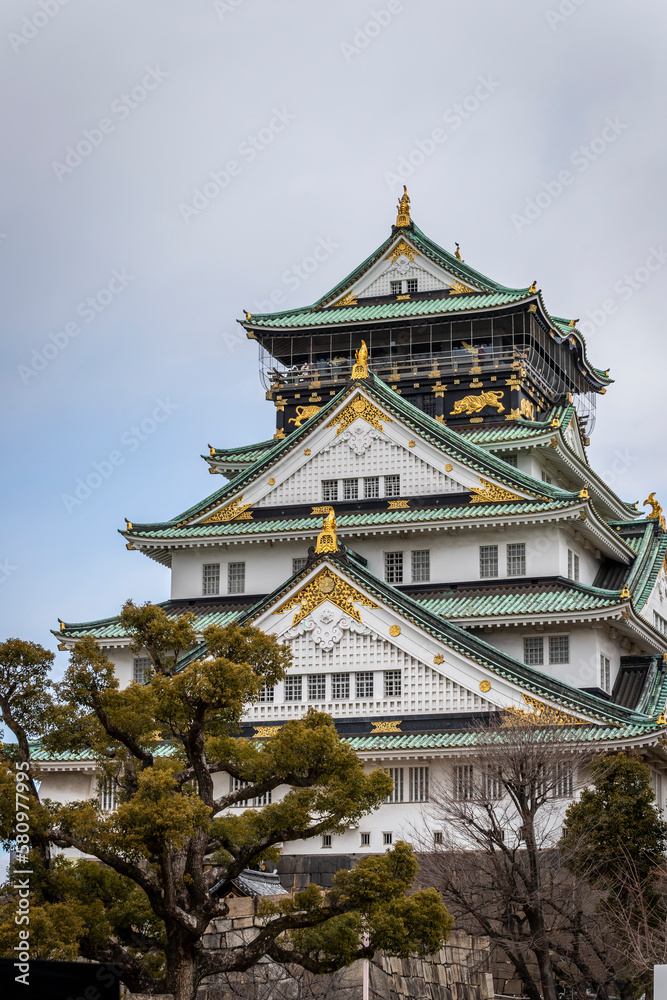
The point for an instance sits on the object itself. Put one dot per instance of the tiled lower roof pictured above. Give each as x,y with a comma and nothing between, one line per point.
219,612
553,597
243,453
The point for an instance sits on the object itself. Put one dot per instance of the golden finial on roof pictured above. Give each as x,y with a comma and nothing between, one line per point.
403,208
211,450
533,288
62,624
625,593
129,524
656,510
457,252
360,369
248,315
572,323
327,540
583,494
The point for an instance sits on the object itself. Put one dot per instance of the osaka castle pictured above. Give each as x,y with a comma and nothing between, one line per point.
423,529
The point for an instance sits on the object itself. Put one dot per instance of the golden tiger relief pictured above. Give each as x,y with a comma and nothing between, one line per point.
303,413
473,404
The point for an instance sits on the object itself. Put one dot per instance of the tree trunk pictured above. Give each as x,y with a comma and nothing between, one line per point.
181,968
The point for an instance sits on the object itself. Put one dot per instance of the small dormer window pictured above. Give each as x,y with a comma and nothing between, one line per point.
412,285
396,287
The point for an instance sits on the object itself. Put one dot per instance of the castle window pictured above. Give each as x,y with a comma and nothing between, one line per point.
393,567
428,404
387,839
365,840
371,487
107,794
418,784
572,565
236,578
546,478
396,287
462,782
559,649
350,489
317,687
326,840
259,800
437,837
210,579
392,683
340,686
139,668
293,689
364,684
605,673
413,284
392,486
563,780
396,775
491,784
266,693
516,559
488,561
298,564
510,458
329,490
421,565
533,650
660,623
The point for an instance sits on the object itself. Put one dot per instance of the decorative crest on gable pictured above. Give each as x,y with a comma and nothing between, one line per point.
326,586
539,714
359,409
402,247
490,493
234,511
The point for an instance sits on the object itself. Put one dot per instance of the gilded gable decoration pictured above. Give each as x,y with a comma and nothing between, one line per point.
490,493
326,586
234,511
359,409
401,248
540,714
387,727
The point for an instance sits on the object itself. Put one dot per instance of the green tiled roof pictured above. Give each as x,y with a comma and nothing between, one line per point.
452,740
520,428
38,752
243,453
650,547
109,628
443,437
553,598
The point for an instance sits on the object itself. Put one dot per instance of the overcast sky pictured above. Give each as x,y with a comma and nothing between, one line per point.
169,164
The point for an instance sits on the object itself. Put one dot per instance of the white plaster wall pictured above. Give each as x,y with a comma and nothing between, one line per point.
657,599
67,786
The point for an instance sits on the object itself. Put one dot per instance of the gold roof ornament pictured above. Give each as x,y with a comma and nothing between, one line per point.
625,593
326,586
128,523
360,369
533,288
457,252
656,510
403,208
572,323
62,625
583,493
327,540
248,315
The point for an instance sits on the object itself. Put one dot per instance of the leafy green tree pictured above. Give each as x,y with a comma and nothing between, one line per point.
170,747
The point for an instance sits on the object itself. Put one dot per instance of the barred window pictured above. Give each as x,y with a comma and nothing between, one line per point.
210,579
293,687
572,565
563,780
437,837
488,560
413,284
107,794
365,840
462,782
256,802
298,564
396,287
392,683
429,404
559,649
266,693
235,578
329,490
140,666
364,684
326,840
371,487
605,673
660,623
340,686
421,565
393,567
396,775
533,650
387,839
350,489
418,781
317,687
392,486
516,559
491,783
